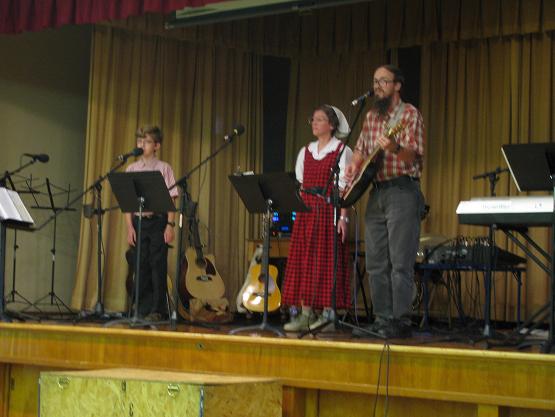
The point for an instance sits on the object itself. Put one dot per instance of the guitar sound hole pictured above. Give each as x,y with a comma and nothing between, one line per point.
204,278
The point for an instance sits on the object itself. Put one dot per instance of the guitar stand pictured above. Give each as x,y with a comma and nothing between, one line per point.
185,205
182,183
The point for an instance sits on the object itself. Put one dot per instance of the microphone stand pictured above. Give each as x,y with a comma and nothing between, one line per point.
335,201
9,174
493,178
99,307
185,203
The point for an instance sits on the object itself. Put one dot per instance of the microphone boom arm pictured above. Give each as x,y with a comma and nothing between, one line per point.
185,177
80,196
9,174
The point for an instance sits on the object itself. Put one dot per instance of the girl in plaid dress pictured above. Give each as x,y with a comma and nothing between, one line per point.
309,272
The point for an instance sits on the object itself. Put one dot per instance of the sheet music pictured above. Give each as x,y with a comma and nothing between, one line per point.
12,208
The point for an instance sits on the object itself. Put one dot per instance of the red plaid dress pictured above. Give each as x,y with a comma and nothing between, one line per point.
309,271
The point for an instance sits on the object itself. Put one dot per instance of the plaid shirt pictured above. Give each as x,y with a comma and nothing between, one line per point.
410,137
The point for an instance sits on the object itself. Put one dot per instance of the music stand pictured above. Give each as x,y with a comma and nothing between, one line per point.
265,193
532,167
137,192
10,298
12,214
54,298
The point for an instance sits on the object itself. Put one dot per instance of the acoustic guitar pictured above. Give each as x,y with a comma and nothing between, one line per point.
367,172
201,278
252,292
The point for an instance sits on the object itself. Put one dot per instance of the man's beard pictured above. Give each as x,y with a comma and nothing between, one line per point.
381,105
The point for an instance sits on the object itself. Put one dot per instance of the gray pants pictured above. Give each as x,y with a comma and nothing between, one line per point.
391,241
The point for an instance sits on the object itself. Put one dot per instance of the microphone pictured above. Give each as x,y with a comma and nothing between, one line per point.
493,173
237,131
41,157
134,152
363,97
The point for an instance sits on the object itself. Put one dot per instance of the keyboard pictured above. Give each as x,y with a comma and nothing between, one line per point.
515,212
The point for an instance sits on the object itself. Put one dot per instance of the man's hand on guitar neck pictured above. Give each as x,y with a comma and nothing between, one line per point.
387,144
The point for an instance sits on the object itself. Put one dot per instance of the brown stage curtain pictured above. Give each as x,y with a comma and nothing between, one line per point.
363,26
196,94
477,96
334,80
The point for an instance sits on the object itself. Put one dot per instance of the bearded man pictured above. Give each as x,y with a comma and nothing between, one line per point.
395,204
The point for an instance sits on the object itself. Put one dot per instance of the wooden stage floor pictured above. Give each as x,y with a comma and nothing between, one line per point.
323,375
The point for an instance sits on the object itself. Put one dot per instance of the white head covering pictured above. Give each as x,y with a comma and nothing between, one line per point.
343,129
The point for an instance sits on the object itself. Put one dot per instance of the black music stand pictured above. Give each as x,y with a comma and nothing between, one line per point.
54,298
11,297
137,192
266,193
532,167
15,215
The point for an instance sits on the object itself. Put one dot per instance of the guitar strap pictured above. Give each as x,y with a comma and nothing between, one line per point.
396,118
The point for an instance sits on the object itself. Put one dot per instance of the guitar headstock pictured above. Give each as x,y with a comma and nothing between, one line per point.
395,130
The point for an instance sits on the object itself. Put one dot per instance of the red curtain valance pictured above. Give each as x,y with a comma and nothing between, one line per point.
33,15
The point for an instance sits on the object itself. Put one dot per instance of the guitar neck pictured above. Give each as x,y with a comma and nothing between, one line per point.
194,235
390,133
196,243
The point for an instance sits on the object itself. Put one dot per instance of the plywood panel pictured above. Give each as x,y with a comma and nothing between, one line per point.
163,399
143,393
66,396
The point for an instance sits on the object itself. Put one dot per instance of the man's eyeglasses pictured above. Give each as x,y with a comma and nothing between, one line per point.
383,82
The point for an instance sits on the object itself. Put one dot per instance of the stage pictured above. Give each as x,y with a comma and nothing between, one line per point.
325,376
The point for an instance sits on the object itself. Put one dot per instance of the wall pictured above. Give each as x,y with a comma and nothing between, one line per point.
43,109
